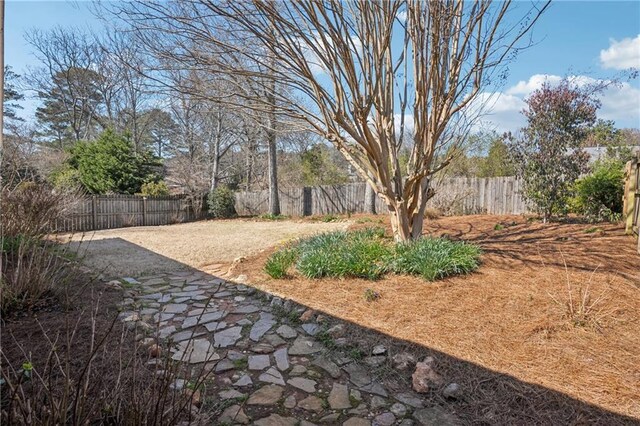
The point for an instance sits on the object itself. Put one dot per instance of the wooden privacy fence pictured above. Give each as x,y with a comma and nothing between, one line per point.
631,208
118,211
499,195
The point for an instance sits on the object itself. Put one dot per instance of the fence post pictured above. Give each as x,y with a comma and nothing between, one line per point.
306,201
94,213
144,211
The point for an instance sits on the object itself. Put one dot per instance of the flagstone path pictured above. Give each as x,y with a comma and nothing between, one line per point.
268,357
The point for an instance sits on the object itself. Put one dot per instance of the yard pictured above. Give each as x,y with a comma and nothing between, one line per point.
504,331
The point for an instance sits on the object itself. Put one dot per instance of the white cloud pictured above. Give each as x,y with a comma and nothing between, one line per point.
502,111
534,83
621,54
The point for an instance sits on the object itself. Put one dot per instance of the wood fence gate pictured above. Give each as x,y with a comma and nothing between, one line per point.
632,198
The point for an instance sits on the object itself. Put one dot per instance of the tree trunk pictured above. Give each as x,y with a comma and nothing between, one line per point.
369,199
408,224
274,199
249,166
400,223
215,166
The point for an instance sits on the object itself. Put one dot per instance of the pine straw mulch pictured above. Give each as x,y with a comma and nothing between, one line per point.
503,332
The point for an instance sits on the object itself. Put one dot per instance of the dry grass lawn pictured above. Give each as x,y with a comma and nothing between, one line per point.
203,245
512,315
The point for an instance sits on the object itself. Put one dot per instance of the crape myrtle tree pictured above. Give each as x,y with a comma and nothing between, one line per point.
362,72
548,153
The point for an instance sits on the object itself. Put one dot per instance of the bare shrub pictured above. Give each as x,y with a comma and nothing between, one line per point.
32,208
117,381
581,307
31,266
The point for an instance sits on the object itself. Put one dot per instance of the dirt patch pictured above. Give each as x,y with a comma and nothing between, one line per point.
202,245
511,316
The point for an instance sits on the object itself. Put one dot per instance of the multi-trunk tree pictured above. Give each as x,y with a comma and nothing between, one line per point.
363,74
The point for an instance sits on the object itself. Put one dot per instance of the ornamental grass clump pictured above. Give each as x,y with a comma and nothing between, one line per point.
435,258
369,254
357,254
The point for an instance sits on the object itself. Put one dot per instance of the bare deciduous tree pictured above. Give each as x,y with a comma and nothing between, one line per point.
366,75
370,68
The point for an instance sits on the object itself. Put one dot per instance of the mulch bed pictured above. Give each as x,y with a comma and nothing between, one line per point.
503,332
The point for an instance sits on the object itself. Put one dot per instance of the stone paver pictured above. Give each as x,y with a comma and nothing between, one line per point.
268,368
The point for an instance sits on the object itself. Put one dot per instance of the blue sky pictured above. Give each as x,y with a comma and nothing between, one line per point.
569,40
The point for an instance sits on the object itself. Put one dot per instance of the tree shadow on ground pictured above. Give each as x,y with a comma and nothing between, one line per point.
586,247
488,397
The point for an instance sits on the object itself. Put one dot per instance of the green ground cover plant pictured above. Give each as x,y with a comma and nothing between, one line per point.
369,254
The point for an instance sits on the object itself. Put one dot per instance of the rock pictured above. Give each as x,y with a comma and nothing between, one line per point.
399,410
202,319
261,326
276,420
178,384
175,308
114,284
336,331
375,361
311,329
339,397
341,342
306,385
452,390
357,374
228,337
154,351
374,388
195,352
224,365
304,346
297,370
245,380
311,403
272,376
266,395
233,415
235,355
282,359
384,419
360,410
402,361
379,350
435,416
215,326
196,398
286,332
231,394
424,376
330,419
290,402
357,421
306,315
246,309
355,395
328,366
406,422
274,340
378,402
148,342
262,348
185,335
259,362
410,399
